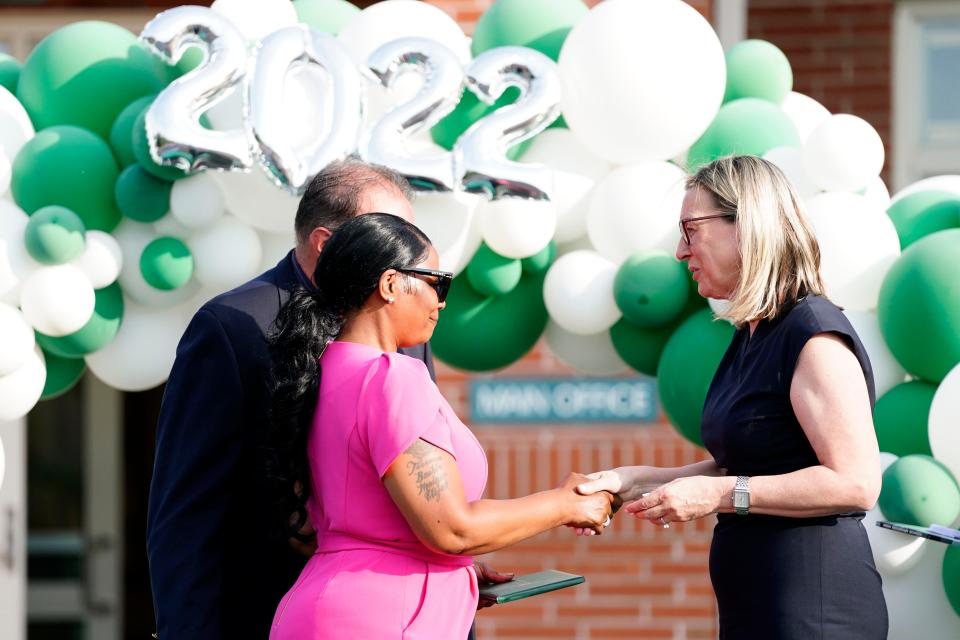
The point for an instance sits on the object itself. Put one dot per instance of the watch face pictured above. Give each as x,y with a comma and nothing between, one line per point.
741,500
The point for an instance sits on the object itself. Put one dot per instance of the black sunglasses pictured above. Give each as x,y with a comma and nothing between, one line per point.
442,283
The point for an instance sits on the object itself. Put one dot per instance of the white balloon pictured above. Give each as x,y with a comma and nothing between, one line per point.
805,112
257,19
5,174
274,246
718,306
57,300
101,260
578,293
636,208
386,21
16,339
171,226
20,390
641,80
894,553
950,183
877,194
141,355
226,254
844,153
576,170
452,223
916,602
133,237
790,161
15,126
197,201
887,372
15,263
593,354
858,245
227,114
943,427
3,461
254,199
517,228
580,244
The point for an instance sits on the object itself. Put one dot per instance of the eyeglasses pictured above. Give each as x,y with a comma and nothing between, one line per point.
683,223
442,283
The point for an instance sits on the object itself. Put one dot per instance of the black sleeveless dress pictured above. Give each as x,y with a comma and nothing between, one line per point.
779,578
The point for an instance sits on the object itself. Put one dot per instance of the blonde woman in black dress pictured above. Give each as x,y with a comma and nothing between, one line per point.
787,420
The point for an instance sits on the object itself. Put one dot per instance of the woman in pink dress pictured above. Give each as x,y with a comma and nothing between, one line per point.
367,448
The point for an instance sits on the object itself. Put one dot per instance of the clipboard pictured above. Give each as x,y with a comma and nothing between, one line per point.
921,532
531,584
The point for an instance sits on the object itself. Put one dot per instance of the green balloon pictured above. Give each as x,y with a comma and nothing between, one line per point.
538,24
55,235
687,366
757,69
651,288
62,374
638,346
468,111
166,263
476,333
141,196
919,490
540,262
84,74
141,151
951,576
492,274
327,16
100,330
748,126
900,418
920,214
121,133
70,167
919,306
9,72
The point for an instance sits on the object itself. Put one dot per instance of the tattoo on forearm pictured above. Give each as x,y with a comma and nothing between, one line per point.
427,469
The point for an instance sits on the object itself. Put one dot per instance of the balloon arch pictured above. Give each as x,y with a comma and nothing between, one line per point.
139,176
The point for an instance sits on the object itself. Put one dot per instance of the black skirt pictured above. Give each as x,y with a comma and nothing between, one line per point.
796,579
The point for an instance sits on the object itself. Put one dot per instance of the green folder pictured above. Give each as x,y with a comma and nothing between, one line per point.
529,585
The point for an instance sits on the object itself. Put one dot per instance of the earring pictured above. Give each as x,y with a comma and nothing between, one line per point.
390,300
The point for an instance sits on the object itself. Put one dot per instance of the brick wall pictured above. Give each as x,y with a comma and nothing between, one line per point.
840,51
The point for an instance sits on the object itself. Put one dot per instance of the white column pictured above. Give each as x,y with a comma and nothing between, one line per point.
730,21
13,530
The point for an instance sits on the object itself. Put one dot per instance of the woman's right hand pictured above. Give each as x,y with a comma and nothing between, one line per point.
589,512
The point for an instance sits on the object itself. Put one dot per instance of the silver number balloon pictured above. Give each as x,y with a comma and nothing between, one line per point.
290,161
481,150
441,90
173,121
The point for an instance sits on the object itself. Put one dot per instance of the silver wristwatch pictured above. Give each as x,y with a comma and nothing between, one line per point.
741,496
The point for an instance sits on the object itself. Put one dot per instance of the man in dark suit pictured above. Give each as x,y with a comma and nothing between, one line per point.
216,570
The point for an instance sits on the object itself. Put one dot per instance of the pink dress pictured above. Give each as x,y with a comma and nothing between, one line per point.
371,577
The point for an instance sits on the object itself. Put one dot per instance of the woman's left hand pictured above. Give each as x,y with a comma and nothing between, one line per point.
488,575
683,499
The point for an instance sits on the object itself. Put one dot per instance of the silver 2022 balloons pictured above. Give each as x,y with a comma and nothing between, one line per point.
477,163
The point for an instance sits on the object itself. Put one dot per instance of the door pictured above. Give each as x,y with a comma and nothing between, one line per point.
74,538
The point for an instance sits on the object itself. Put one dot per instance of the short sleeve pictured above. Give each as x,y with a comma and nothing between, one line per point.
821,316
399,404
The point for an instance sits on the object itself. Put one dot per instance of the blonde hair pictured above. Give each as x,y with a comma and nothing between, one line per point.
779,253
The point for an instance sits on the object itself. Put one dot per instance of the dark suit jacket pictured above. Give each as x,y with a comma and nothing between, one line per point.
214,569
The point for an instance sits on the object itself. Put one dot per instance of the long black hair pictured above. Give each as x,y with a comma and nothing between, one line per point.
347,274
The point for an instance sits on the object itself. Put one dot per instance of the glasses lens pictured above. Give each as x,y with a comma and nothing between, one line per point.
442,287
